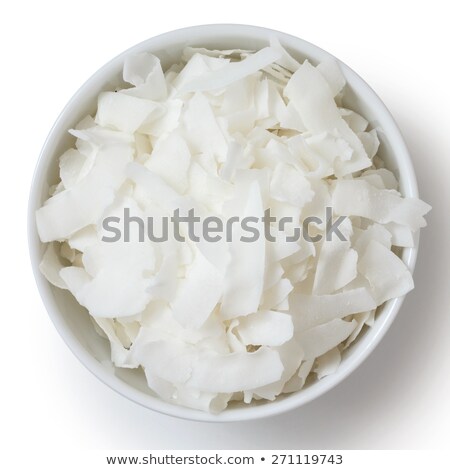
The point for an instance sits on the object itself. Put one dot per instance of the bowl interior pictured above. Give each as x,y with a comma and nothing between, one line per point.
72,320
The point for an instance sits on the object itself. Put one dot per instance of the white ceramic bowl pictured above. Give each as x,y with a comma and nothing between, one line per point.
72,321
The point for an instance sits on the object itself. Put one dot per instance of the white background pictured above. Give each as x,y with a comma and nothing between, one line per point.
399,398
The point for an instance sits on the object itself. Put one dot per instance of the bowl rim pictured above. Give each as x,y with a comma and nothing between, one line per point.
266,409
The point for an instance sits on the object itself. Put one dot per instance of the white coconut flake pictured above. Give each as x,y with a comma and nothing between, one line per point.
387,275
320,339
82,205
304,371
163,285
370,142
234,342
387,179
145,73
376,232
83,238
276,296
361,319
89,139
332,73
289,118
73,166
290,185
356,122
267,328
203,133
198,293
357,197
110,293
327,363
51,266
244,279
126,113
170,159
189,52
170,359
336,267
67,253
155,188
197,66
401,235
312,310
330,147
313,99
291,355
120,354
232,71
236,371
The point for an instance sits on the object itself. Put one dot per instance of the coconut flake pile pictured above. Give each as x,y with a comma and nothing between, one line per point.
228,133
